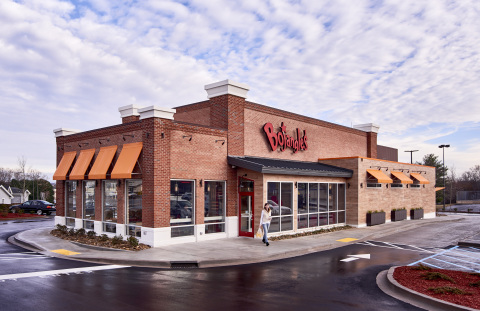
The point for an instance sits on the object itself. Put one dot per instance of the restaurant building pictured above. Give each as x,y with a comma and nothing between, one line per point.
204,171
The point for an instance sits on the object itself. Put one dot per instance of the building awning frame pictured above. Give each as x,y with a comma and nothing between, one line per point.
402,177
83,162
126,161
102,162
380,176
421,180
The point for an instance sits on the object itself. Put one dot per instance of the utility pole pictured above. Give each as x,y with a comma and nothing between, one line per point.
443,148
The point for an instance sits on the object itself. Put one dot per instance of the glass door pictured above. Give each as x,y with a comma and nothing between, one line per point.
246,214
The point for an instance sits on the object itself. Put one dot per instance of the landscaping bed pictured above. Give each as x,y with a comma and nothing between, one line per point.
308,233
458,287
13,216
91,238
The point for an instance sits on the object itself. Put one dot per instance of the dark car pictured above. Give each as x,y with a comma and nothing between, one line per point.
180,209
38,206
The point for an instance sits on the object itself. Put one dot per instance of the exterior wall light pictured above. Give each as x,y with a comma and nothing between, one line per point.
190,139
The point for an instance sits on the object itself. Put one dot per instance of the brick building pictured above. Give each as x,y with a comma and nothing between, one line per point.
203,171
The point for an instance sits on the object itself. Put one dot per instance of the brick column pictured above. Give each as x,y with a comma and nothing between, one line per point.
371,145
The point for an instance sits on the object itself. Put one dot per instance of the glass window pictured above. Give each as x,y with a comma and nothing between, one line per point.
313,198
182,208
109,208
280,198
214,206
302,198
88,204
332,197
134,207
71,203
246,185
341,198
323,198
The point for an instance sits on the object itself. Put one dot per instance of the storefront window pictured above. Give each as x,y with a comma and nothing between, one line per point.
134,207
88,204
71,205
323,200
109,206
214,206
280,198
182,207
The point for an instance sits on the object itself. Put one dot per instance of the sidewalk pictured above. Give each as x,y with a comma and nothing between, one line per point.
216,253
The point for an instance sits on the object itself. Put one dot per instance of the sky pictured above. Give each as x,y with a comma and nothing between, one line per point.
410,66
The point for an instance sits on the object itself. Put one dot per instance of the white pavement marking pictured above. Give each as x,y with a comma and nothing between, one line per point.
19,258
349,259
58,272
395,246
364,256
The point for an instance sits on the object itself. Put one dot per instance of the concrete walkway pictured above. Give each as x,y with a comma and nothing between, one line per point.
216,253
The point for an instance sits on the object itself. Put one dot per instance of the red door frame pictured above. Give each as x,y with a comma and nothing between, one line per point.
240,194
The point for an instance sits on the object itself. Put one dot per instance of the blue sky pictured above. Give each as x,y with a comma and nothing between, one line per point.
411,67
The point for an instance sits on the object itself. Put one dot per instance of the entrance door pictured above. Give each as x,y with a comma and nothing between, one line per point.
246,214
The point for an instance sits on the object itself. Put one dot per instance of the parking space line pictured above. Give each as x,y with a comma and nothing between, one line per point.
462,259
429,264
451,263
445,251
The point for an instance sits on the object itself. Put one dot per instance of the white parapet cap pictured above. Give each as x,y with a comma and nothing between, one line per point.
367,127
156,112
64,132
129,110
227,87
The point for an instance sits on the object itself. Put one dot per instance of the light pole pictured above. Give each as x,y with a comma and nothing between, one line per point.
443,148
411,155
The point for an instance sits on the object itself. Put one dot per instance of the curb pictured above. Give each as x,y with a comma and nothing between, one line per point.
391,287
468,243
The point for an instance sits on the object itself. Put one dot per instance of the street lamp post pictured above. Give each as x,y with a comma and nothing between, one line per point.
443,148
411,155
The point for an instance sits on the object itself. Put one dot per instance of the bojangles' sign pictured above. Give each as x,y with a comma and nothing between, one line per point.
284,141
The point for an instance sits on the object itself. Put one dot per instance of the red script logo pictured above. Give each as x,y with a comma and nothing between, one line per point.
283,141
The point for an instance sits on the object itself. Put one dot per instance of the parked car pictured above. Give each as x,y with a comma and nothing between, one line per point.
180,209
187,196
38,206
276,209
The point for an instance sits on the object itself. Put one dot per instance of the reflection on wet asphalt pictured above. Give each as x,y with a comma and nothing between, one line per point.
314,282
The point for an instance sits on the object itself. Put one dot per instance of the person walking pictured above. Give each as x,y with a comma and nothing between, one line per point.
265,219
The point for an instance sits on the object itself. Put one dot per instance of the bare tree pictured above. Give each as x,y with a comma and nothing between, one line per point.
6,175
35,176
22,170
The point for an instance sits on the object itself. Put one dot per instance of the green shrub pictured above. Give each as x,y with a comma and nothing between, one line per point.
81,232
20,211
62,229
475,284
103,238
421,267
71,232
448,290
133,241
91,234
437,276
118,239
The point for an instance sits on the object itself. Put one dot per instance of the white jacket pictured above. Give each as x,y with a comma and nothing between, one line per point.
266,217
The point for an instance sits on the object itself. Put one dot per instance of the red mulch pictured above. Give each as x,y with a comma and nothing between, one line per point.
11,216
412,279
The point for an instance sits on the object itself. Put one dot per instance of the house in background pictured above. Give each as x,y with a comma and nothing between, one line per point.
5,196
18,197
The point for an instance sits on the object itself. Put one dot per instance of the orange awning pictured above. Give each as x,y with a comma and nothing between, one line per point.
402,177
420,178
126,161
83,161
380,176
64,166
102,163
439,188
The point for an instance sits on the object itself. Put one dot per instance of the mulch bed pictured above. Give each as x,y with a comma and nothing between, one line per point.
463,288
13,216
308,233
97,241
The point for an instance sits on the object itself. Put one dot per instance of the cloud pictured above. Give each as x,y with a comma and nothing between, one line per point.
400,64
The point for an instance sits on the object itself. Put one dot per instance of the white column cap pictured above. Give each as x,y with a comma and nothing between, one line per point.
367,127
129,110
64,132
156,112
227,87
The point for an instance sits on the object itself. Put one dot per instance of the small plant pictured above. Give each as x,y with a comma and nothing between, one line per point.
475,274
103,238
62,228
118,239
421,267
71,232
133,241
81,232
4,211
21,211
91,234
437,276
455,209
448,290
416,208
475,284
